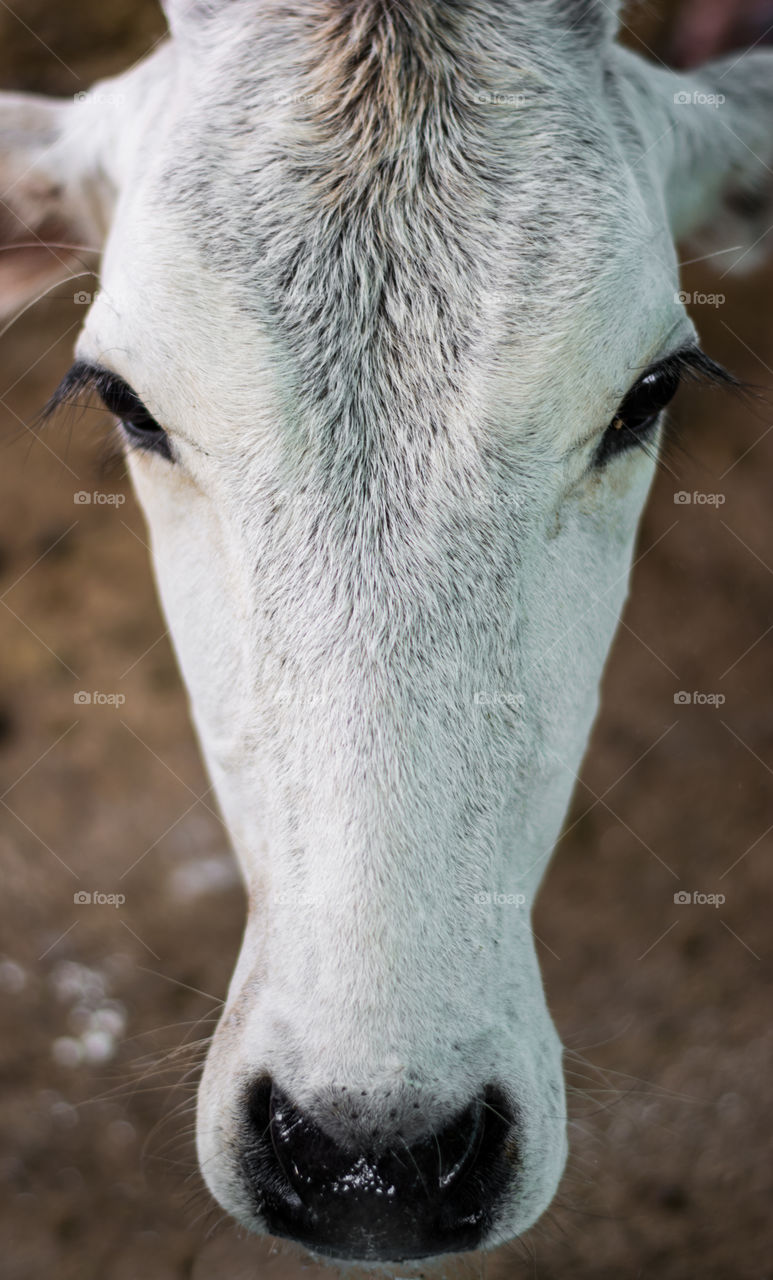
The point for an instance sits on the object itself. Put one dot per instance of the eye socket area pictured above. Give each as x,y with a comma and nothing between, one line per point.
138,427
639,413
137,424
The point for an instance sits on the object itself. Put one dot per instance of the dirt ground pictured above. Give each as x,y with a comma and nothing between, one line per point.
665,1008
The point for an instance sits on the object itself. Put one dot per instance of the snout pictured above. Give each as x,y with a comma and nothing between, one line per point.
393,1189
383,1116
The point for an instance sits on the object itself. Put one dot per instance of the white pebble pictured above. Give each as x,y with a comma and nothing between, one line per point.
98,1046
67,1051
12,977
65,1114
110,1018
73,981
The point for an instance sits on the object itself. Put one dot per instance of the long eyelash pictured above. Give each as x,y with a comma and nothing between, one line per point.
80,380
699,369
694,364
75,392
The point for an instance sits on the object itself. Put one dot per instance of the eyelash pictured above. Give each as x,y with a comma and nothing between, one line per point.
138,429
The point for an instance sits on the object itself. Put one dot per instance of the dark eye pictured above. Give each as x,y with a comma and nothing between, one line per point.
638,415
140,429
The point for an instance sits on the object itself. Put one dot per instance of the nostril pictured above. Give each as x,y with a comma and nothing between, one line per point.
459,1144
305,1153
385,1198
444,1157
259,1105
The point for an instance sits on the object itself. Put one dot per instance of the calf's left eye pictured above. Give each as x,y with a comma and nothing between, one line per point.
140,429
639,413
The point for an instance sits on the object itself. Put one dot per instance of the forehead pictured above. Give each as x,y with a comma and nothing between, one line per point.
390,254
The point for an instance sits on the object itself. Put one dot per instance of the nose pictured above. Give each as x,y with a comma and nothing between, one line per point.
386,1200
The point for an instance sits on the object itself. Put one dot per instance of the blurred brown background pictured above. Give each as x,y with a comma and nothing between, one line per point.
665,1008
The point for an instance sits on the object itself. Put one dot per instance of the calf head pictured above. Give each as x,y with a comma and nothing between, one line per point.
388,314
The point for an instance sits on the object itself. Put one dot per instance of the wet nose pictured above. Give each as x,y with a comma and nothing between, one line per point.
384,1200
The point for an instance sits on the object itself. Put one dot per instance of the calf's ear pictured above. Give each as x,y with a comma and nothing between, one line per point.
708,142
53,209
